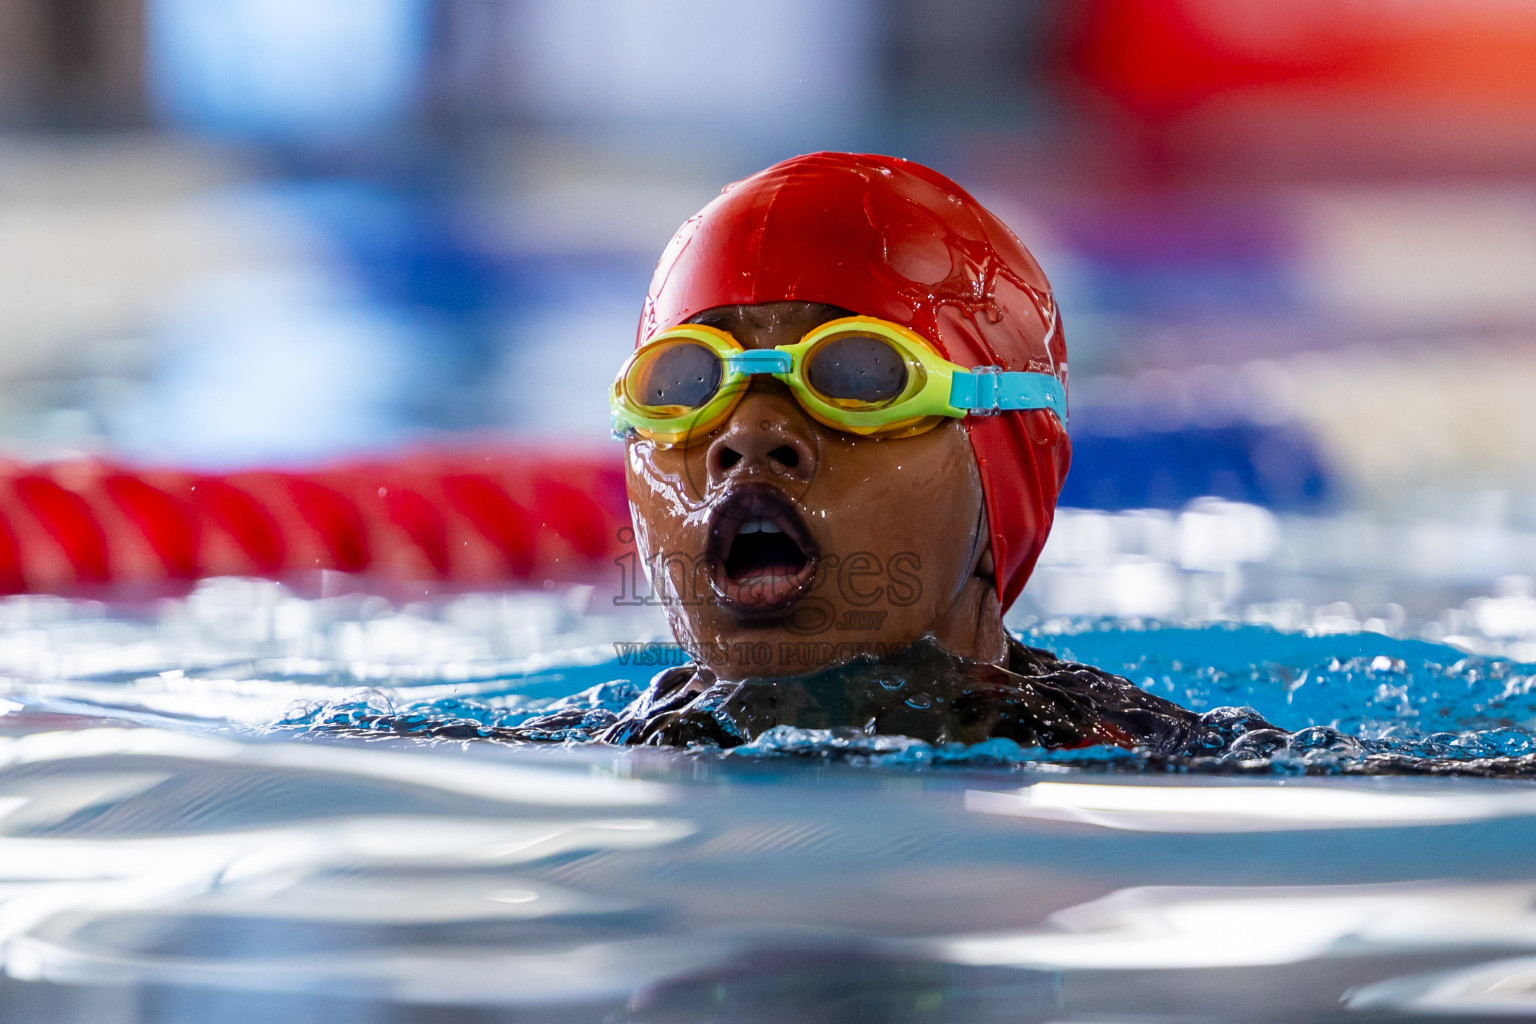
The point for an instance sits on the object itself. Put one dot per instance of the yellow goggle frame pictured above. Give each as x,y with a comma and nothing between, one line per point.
935,388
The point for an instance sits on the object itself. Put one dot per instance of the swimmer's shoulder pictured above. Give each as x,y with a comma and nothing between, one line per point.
1030,661
578,720
1036,663
1088,681
1144,719
671,691
669,681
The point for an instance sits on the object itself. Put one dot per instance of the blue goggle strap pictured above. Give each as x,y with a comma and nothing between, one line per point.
989,389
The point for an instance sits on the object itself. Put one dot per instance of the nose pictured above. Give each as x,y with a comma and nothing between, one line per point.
767,434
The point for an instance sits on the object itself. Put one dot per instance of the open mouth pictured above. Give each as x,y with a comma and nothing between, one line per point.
761,553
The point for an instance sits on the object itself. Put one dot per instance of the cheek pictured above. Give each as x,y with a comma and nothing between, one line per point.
915,500
665,508
939,543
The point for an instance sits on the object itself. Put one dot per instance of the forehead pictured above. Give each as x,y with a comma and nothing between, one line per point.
770,323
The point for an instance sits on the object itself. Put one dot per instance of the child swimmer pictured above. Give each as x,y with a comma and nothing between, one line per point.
844,431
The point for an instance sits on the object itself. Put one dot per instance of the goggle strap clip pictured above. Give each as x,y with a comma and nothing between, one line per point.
987,381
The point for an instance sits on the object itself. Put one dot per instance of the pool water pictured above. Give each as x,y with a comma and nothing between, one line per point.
250,806
1352,704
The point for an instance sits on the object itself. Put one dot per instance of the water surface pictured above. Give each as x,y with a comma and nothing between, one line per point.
246,806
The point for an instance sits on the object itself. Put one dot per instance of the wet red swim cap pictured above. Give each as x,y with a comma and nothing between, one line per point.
890,238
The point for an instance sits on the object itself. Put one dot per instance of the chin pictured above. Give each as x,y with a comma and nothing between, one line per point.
741,646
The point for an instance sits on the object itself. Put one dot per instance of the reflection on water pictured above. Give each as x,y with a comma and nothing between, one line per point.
145,857
1145,808
488,882
284,816
1181,927
1502,988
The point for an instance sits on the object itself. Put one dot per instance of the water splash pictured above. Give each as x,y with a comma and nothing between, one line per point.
1359,702
481,667
374,712
1345,704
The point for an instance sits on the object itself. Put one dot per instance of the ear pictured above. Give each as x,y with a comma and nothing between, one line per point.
985,567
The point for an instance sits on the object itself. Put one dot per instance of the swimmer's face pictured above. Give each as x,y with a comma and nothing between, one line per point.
779,545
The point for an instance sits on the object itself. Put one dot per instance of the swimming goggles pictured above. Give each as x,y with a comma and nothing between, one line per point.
858,374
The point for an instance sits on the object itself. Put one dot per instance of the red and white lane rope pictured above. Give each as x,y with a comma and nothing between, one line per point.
465,519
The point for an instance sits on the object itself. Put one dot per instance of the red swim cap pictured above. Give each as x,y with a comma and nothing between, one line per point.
890,238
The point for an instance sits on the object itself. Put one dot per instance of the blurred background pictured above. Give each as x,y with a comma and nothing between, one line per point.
1294,243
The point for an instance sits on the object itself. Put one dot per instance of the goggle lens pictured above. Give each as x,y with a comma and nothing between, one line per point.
680,375
856,371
